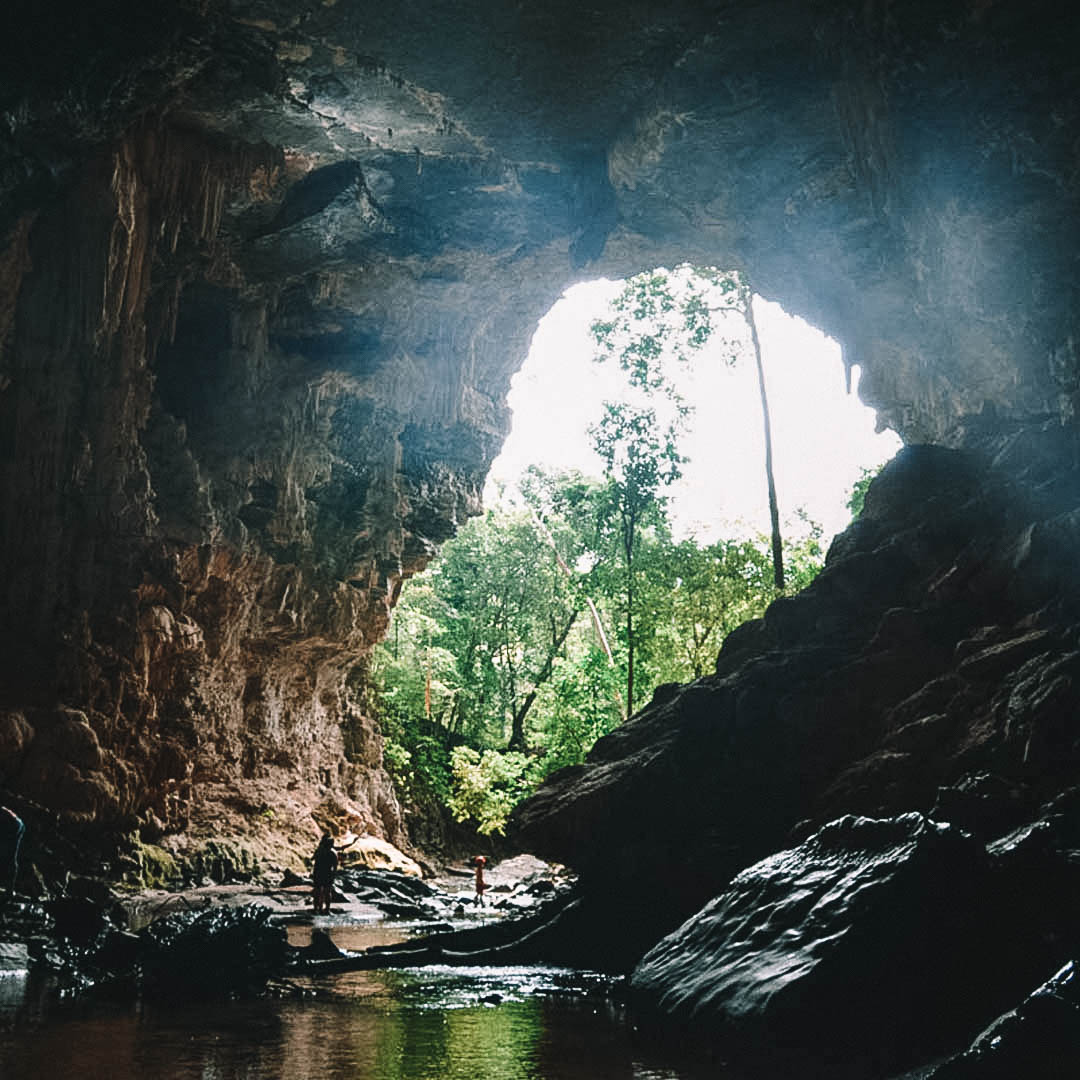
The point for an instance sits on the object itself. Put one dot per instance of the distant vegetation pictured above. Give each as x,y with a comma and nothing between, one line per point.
545,623
507,658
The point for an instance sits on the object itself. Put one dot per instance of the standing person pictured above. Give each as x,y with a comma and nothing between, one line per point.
323,865
11,834
481,885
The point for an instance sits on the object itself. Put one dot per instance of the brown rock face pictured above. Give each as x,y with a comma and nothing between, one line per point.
266,269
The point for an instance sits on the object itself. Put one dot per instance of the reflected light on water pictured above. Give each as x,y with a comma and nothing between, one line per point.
427,1024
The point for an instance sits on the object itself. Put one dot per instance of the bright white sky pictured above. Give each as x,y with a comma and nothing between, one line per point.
822,437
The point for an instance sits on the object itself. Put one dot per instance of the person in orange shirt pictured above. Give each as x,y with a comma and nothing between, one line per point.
481,885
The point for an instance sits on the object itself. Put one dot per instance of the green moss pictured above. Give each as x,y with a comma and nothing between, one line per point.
157,867
223,862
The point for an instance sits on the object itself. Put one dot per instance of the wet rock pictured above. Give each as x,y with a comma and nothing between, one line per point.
1039,1039
404,885
1037,872
547,934
212,952
78,919
14,956
983,804
871,935
119,953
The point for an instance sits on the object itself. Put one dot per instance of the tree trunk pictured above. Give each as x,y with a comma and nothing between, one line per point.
517,733
774,512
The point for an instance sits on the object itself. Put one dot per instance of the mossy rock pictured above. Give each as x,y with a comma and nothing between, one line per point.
158,869
223,862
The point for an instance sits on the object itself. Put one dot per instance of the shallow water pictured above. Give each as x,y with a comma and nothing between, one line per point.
433,1023
430,1023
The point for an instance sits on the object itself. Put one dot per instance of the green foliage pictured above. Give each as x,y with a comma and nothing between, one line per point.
668,316
542,624
858,490
488,785
480,636
577,707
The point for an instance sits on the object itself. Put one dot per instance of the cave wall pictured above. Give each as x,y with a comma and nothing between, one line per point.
266,270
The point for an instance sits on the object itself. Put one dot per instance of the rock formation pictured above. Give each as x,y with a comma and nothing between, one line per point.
266,269
780,959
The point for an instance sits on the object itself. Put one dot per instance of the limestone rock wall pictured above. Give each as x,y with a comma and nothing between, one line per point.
266,270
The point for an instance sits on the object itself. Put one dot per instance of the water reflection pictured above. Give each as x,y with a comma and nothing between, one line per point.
12,995
431,1024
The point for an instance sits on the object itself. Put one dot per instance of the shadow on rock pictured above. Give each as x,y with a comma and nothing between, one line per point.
874,939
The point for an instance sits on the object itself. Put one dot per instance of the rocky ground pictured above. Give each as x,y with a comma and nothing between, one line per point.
211,937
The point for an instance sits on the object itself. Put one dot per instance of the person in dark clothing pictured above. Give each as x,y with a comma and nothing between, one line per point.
11,834
323,866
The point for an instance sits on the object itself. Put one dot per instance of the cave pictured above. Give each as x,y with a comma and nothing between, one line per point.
266,271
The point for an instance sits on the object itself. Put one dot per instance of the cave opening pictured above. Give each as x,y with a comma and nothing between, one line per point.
575,599
265,270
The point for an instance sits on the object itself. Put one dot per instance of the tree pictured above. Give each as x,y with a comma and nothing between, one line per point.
659,315
494,636
508,612
694,595
746,304
857,497
640,454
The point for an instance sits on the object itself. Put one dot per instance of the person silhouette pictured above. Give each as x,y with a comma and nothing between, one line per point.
323,865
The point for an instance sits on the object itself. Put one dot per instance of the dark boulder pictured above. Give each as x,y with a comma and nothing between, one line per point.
211,952
873,936
76,918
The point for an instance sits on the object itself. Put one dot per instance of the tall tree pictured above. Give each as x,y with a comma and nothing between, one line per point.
660,315
641,457
746,303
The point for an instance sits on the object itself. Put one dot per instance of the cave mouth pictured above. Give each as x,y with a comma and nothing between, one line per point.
824,438
547,622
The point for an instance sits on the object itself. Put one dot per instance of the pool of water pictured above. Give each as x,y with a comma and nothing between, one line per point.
424,1025
432,1023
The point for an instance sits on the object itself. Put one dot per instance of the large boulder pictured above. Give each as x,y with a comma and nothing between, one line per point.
922,656
871,936
218,951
